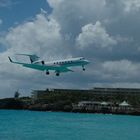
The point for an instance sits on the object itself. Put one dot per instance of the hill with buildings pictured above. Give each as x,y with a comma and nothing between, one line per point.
99,100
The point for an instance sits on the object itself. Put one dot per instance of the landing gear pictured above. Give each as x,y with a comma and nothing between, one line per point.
83,68
57,74
47,73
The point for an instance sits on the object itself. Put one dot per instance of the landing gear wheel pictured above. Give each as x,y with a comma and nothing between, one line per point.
84,69
47,73
57,74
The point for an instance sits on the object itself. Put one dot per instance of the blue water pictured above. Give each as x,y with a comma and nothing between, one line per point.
28,125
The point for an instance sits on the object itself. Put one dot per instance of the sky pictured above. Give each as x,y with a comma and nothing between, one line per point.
105,32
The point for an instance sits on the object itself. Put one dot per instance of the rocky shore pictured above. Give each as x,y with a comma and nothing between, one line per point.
26,103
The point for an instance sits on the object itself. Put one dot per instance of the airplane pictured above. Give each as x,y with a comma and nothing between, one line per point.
59,66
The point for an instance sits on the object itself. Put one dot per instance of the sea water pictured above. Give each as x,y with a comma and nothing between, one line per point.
30,125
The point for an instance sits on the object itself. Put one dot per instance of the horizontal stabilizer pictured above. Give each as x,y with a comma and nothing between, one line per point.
32,57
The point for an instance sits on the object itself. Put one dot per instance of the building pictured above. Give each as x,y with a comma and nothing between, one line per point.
96,91
100,100
116,90
125,106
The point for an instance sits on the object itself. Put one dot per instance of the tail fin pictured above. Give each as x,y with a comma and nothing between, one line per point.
32,57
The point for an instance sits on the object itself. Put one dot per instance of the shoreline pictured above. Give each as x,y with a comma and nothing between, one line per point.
20,104
125,114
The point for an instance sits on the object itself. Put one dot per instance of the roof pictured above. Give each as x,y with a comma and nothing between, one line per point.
104,103
124,103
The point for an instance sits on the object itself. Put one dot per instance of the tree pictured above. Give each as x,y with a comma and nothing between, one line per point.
16,94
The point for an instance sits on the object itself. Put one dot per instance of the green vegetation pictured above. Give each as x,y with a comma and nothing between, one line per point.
12,103
69,98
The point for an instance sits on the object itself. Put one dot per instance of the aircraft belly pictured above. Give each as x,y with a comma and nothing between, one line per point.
44,67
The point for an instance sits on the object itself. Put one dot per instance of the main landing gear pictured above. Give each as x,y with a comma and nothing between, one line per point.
57,74
47,73
83,68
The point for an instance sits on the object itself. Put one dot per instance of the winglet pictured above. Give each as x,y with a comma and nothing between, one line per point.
10,59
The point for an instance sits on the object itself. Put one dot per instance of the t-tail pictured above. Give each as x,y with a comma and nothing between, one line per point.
32,57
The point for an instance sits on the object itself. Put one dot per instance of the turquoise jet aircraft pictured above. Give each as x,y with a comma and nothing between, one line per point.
58,66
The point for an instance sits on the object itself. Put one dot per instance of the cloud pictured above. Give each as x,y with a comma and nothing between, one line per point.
121,70
131,5
40,36
95,35
72,15
54,3
6,3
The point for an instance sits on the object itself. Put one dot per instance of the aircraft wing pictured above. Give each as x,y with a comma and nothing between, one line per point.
45,67
64,69
34,66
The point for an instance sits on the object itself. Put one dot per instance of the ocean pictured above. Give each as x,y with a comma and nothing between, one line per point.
34,125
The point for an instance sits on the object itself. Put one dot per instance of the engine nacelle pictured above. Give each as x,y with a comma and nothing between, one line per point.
39,62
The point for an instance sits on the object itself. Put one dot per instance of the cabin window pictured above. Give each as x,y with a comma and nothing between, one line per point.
82,58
